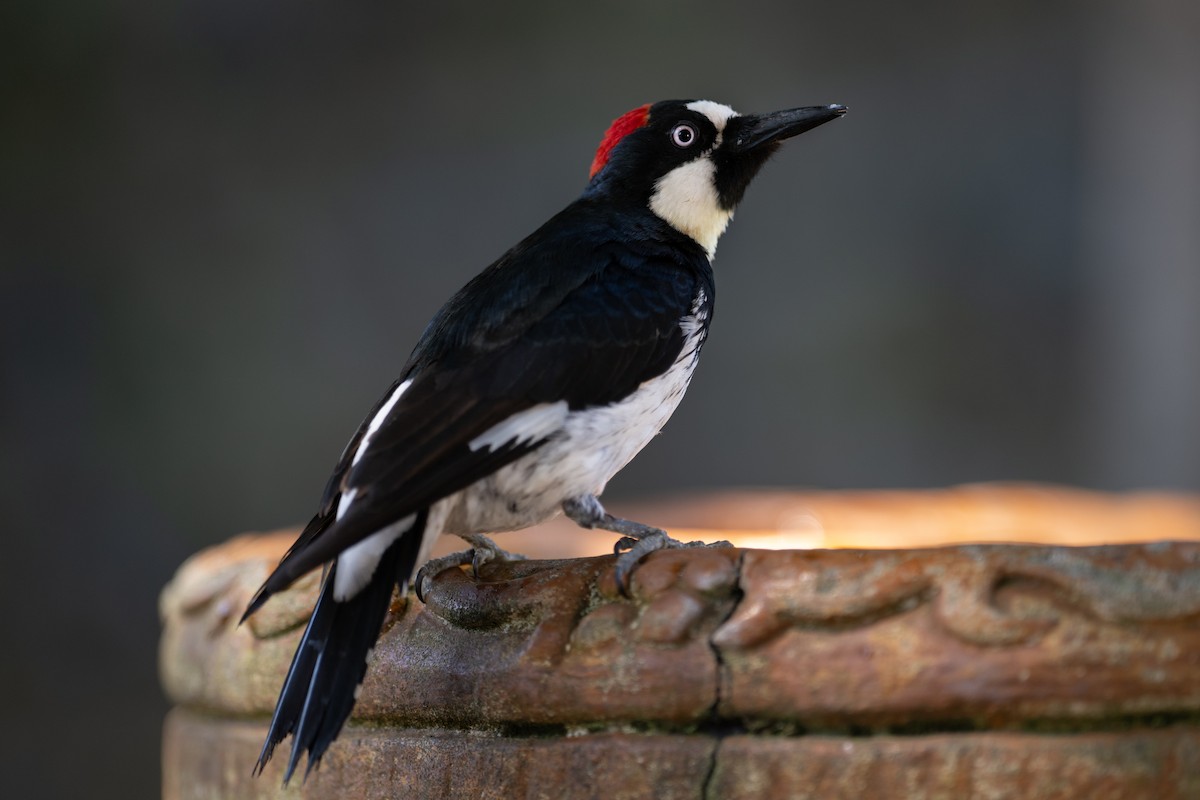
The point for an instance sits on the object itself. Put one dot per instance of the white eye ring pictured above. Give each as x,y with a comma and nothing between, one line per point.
683,135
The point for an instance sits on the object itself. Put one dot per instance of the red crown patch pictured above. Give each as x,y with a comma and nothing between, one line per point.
621,127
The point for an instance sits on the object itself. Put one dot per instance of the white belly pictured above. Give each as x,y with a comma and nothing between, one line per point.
591,447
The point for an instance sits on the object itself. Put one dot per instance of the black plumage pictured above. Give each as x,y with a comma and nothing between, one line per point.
574,312
527,391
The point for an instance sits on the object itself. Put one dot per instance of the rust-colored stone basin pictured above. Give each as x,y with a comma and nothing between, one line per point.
944,670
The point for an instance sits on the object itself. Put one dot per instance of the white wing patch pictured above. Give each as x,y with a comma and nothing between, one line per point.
372,428
686,197
529,425
377,420
344,502
357,563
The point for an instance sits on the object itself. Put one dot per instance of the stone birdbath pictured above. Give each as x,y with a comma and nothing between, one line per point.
941,644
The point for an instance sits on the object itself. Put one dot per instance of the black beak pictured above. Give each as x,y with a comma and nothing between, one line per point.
750,140
754,130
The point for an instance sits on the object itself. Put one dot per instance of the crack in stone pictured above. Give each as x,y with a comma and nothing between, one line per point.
714,711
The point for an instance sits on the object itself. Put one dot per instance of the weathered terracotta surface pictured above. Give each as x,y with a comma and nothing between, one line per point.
534,642
210,759
986,634
1132,765
1099,644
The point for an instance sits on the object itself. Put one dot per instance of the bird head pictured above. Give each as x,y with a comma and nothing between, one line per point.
690,161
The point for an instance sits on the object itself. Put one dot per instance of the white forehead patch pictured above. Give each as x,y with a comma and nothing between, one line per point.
718,113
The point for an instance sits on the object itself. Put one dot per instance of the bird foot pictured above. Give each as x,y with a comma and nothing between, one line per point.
482,551
636,542
630,551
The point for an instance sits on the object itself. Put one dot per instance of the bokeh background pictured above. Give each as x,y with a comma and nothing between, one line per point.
224,223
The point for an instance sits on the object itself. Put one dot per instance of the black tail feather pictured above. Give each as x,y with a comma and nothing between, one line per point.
319,691
315,527
294,693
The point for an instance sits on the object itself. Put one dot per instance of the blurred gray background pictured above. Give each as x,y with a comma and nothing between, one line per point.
224,224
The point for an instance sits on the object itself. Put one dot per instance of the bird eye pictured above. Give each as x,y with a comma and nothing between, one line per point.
683,135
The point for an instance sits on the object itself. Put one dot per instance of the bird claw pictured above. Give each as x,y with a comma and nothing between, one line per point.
483,551
436,566
486,555
630,552
623,544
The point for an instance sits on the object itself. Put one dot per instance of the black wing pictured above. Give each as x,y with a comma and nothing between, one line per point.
571,313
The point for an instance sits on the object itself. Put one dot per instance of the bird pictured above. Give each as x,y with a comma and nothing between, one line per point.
526,393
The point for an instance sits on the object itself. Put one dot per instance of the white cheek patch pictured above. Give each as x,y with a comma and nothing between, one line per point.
529,425
686,197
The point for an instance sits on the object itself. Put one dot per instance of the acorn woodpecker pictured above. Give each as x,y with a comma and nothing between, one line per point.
527,392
